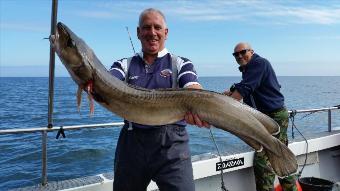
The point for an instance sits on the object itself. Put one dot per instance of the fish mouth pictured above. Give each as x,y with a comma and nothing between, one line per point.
62,30
62,37
52,39
70,51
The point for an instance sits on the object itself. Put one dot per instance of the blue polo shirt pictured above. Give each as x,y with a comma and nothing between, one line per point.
260,81
157,75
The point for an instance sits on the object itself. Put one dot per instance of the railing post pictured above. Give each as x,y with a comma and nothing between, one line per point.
50,93
44,157
329,120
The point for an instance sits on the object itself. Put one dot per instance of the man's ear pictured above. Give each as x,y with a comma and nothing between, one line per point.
138,32
166,33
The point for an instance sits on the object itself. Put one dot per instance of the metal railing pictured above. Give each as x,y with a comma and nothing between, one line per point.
45,130
57,128
328,109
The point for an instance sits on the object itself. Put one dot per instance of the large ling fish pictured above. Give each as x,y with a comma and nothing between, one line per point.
166,106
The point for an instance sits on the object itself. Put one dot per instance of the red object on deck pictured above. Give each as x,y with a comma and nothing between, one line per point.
279,188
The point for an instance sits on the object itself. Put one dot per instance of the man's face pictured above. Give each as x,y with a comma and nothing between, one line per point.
242,54
152,33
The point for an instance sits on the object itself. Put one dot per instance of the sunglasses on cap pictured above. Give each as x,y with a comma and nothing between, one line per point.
242,52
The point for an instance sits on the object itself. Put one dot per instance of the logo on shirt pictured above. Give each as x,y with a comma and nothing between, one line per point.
133,77
166,73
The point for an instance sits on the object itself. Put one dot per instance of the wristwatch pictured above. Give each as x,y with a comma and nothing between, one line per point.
232,88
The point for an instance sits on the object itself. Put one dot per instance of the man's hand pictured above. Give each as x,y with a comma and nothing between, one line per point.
227,92
194,119
235,94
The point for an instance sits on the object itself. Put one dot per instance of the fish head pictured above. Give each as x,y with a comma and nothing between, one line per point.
73,53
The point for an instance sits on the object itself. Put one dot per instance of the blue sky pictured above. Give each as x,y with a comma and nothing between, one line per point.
298,37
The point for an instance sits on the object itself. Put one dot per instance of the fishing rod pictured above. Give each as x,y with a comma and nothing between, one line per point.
133,48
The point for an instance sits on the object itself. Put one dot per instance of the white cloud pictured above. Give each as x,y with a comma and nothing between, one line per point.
324,16
313,15
313,12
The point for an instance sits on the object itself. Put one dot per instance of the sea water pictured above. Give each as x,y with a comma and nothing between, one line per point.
24,104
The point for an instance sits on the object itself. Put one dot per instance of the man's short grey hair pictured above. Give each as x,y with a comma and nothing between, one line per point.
246,44
149,10
243,44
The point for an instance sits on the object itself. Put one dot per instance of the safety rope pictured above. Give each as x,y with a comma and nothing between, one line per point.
223,188
310,113
292,119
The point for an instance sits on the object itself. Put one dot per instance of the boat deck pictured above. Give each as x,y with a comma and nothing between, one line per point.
323,161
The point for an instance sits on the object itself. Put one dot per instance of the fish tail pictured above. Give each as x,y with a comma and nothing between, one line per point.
281,158
79,91
285,163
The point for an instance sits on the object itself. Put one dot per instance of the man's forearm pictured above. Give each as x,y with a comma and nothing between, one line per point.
195,86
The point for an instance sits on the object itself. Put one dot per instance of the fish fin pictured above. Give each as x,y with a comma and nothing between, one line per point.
255,145
269,123
278,130
284,164
89,88
79,91
260,150
90,98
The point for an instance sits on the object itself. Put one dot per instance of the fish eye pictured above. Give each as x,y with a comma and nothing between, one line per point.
70,43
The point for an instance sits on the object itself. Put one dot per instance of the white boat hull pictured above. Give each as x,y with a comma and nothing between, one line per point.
323,161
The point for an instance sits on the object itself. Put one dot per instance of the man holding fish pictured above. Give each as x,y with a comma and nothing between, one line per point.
158,153
260,89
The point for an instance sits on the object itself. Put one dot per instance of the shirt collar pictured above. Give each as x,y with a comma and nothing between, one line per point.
159,55
241,68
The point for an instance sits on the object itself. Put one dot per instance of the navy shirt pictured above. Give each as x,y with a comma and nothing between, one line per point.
156,75
260,81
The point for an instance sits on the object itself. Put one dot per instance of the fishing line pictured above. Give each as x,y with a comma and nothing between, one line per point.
219,154
292,118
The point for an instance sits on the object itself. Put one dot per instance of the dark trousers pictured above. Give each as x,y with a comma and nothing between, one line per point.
159,154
